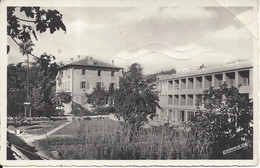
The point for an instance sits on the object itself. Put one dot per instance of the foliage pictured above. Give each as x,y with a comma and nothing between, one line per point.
226,121
103,110
153,77
38,20
61,97
42,82
42,74
107,140
135,100
98,97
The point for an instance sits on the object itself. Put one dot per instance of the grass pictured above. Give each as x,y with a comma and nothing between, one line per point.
108,139
39,128
101,126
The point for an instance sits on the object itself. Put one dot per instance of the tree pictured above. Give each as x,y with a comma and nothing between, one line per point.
39,20
26,49
98,97
135,100
22,31
226,121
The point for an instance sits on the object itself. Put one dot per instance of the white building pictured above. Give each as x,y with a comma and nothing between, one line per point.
178,93
82,76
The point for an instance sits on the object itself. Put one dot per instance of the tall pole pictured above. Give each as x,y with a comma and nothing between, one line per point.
27,86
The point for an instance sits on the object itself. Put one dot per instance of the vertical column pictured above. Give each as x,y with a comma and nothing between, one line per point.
213,80
185,115
203,82
236,79
224,77
194,82
186,99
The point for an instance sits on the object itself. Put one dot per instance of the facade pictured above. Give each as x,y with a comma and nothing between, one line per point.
178,93
82,76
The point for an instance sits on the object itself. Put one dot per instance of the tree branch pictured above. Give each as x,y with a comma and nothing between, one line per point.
26,20
23,48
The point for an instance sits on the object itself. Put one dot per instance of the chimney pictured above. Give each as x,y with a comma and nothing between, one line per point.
91,61
71,59
78,56
61,63
112,62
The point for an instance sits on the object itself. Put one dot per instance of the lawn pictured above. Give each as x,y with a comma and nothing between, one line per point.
39,127
98,126
108,139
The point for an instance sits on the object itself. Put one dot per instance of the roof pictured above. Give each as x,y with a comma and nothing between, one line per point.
87,62
217,69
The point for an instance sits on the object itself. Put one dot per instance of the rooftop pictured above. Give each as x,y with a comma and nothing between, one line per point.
217,69
89,62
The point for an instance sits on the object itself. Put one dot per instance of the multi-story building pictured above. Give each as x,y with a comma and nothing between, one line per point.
82,76
179,92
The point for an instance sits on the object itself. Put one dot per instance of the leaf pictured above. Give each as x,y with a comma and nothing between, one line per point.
63,27
34,34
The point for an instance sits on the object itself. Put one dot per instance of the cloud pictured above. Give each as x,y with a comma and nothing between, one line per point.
182,52
135,15
187,13
229,32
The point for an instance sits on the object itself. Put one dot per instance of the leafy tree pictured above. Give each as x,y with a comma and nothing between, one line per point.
98,97
22,32
226,121
38,20
135,100
42,77
153,77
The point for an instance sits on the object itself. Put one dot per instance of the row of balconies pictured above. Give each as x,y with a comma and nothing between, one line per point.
206,81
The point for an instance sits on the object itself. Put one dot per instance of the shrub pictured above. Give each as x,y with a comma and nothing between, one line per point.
103,110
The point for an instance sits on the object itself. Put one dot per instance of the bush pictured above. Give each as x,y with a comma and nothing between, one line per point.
103,110
106,139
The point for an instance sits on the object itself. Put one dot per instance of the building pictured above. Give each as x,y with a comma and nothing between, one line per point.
82,76
178,93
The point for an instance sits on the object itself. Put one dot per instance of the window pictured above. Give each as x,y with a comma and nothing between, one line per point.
98,84
230,79
170,84
190,100
82,85
218,80
190,83
176,84
99,73
183,83
198,82
208,81
170,99
176,99
61,73
112,73
112,85
243,78
183,99
68,85
83,72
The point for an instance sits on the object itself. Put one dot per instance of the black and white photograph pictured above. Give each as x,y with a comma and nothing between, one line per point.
159,82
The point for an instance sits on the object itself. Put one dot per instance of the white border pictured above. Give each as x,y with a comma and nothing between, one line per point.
121,3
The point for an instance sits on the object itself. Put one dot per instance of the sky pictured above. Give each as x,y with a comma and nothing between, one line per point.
159,38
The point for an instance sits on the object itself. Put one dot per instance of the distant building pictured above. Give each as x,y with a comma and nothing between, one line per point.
82,76
178,93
